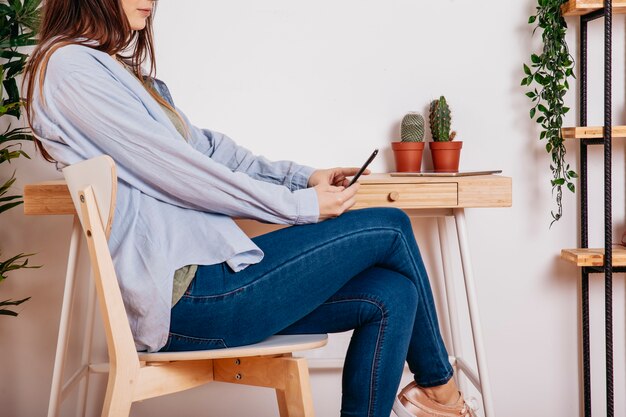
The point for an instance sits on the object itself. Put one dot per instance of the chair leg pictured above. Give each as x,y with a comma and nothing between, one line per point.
287,375
282,403
119,397
295,400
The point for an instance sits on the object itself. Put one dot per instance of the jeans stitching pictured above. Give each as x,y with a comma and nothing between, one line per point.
437,382
379,341
289,261
416,272
195,340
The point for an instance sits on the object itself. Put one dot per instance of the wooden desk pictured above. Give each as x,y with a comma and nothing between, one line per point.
377,190
438,197
383,190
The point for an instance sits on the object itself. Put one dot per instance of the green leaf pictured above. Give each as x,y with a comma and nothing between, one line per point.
532,112
13,302
11,54
16,5
9,198
571,187
8,303
9,206
527,70
10,86
535,59
530,94
5,312
532,20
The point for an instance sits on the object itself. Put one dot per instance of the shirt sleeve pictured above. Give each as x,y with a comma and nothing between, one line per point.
99,109
224,150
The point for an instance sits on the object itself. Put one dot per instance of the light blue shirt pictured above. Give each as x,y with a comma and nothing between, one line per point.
175,198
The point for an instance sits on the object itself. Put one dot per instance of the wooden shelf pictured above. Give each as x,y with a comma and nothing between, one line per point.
594,257
581,7
591,132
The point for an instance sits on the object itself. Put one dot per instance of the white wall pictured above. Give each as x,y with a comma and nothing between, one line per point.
324,83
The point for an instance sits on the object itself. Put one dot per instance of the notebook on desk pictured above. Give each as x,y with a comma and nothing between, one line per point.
445,174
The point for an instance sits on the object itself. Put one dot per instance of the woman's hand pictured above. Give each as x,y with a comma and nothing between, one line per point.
333,176
334,201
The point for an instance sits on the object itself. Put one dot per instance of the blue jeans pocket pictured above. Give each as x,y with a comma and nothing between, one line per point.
180,343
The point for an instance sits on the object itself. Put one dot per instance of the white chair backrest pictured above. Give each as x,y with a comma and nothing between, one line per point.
100,173
93,184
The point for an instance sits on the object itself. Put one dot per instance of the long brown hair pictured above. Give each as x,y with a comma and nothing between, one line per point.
98,24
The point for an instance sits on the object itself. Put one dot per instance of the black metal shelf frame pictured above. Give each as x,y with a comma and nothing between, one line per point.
607,269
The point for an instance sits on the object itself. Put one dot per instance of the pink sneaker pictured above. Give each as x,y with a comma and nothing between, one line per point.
413,402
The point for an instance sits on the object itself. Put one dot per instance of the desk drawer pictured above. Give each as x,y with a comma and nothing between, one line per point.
407,195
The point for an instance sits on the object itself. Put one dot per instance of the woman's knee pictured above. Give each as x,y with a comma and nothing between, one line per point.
386,294
400,295
387,217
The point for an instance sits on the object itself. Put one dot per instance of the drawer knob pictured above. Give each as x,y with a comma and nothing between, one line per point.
393,196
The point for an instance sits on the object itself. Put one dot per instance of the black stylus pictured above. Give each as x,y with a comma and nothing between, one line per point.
364,167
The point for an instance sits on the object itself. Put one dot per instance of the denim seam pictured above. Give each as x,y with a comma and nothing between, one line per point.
287,262
436,382
416,271
379,341
198,340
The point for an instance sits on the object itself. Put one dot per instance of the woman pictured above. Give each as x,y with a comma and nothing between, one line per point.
189,277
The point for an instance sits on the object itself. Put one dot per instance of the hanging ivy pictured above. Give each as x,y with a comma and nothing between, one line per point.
547,77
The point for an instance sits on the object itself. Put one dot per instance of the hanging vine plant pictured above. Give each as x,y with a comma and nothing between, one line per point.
547,77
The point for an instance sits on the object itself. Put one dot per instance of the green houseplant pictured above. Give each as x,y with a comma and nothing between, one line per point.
445,151
19,20
408,152
547,77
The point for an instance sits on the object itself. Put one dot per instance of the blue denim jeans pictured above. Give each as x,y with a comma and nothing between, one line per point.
361,271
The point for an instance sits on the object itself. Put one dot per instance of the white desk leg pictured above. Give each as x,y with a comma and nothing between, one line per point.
59,359
450,291
481,360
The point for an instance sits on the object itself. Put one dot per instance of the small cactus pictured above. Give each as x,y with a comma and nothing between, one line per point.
440,120
412,129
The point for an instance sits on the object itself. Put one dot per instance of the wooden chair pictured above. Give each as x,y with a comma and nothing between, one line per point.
137,376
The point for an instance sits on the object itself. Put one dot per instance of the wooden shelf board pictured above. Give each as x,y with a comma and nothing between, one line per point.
581,7
591,132
594,257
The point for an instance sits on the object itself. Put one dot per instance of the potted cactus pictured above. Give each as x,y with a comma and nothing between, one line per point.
408,152
445,152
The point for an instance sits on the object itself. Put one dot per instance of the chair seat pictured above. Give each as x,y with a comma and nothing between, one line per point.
273,345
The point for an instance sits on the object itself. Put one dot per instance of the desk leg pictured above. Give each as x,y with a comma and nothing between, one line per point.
450,291
66,309
468,274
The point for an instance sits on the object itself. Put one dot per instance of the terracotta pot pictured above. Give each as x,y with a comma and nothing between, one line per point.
446,155
408,156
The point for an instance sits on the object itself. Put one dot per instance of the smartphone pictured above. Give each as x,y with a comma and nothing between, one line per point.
364,167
